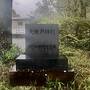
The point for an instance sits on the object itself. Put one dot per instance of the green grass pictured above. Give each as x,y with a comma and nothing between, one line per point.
79,60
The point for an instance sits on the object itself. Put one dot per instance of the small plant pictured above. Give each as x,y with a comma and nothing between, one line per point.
10,55
54,85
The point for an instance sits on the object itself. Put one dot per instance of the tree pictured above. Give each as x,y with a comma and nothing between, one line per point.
77,8
68,8
58,6
83,8
14,14
43,8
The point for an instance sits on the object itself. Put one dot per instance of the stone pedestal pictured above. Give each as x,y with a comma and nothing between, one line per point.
24,62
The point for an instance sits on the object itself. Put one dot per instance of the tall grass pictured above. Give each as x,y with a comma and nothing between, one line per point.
79,60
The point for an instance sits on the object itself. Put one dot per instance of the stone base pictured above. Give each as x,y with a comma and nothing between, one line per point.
23,62
39,77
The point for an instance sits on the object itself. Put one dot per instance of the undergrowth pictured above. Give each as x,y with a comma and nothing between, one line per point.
79,60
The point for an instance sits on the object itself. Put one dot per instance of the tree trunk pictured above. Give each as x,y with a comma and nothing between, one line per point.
83,9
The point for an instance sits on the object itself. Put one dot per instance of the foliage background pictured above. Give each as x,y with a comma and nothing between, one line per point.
73,18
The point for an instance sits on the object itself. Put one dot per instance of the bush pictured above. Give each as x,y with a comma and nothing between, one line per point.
80,62
5,39
10,55
75,32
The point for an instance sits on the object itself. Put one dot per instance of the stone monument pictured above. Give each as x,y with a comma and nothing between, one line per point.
42,49
41,58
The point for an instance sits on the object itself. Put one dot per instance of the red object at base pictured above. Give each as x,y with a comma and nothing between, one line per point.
38,77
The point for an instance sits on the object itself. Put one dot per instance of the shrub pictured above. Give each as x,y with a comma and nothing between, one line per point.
5,39
10,55
75,32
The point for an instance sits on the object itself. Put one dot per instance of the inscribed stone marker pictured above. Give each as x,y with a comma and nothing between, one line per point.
42,40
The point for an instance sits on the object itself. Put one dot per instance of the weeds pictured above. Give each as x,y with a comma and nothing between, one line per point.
78,61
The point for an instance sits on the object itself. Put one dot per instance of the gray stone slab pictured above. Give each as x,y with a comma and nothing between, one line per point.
42,40
6,14
42,49
5,22
24,62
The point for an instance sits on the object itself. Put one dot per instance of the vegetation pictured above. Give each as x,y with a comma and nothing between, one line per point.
74,43
71,45
79,61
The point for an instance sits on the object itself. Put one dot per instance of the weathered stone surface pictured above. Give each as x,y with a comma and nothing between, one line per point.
6,14
5,23
42,40
42,49
24,62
